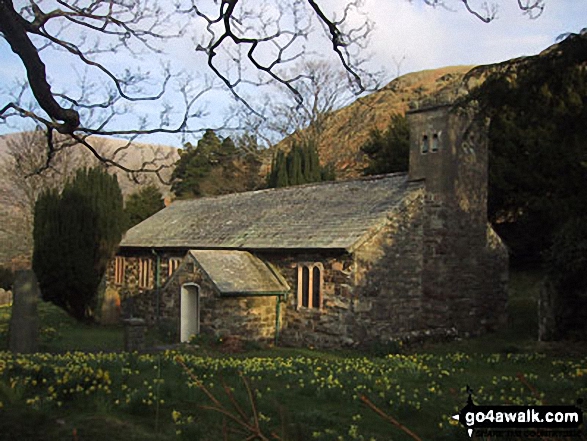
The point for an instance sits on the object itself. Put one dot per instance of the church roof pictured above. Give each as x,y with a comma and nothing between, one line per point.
326,215
239,272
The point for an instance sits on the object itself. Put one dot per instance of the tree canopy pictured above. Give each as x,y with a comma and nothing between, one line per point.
537,146
143,203
75,235
216,166
301,165
389,150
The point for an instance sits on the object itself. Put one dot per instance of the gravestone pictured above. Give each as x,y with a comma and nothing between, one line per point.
24,322
134,334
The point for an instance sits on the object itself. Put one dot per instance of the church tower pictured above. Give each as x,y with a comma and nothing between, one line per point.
462,269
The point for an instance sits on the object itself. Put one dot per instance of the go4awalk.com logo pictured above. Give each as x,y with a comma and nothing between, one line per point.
482,418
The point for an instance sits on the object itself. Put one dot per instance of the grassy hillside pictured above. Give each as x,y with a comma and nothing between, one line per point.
348,128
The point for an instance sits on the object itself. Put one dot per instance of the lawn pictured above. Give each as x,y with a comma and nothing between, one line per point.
298,394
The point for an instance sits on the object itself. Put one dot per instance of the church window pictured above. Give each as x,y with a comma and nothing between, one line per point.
435,142
172,265
119,270
425,144
310,285
145,273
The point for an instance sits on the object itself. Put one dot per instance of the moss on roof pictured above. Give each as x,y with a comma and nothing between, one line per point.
330,215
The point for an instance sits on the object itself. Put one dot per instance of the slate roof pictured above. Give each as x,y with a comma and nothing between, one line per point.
239,272
327,215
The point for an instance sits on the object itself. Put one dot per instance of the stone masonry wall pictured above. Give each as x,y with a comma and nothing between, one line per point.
136,301
252,318
387,301
330,326
465,268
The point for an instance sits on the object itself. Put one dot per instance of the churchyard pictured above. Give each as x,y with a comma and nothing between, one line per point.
82,386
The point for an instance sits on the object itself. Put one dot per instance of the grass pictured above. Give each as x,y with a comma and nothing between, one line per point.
299,394
58,332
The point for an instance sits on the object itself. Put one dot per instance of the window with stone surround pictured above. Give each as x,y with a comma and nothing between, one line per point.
119,270
172,265
145,273
425,144
435,140
310,280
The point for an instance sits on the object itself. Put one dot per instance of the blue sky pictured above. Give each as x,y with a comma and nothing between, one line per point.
408,36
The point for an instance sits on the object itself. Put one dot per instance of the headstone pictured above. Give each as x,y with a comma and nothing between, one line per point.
110,314
134,334
24,322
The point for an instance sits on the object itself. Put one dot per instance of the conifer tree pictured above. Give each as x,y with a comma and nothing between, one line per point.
281,178
388,150
301,165
75,235
295,173
143,204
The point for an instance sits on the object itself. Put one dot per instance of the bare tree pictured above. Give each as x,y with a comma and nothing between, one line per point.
238,39
321,89
21,183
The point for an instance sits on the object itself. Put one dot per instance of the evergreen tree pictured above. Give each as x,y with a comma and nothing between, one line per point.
537,149
281,178
389,150
213,167
75,235
295,174
142,204
301,165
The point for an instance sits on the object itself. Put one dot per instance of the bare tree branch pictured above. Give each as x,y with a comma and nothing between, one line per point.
246,44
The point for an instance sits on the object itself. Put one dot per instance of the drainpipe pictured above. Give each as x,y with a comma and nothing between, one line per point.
157,279
277,316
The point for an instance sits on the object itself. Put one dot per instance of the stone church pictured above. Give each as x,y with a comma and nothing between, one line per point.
384,258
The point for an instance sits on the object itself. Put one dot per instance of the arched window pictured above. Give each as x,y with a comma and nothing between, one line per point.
425,144
316,287
435,142
305,286
172,265
310,285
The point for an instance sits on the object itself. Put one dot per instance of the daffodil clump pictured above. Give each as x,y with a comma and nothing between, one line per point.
322,395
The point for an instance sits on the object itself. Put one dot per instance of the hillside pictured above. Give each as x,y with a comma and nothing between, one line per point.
132,157
15,230
348,128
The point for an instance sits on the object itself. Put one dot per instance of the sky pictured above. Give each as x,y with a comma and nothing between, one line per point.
408,36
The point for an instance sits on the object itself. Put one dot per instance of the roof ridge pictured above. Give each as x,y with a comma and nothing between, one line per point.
294,187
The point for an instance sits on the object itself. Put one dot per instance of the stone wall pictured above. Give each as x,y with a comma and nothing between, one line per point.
252,318
136,301
465,266
329,326
387,304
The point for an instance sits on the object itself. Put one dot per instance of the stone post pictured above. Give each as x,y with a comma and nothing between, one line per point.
24,322
134,334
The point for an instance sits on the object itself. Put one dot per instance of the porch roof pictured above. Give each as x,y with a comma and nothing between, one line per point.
240,273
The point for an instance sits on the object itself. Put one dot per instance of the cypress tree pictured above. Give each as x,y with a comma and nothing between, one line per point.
281,177
294,165
75,235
